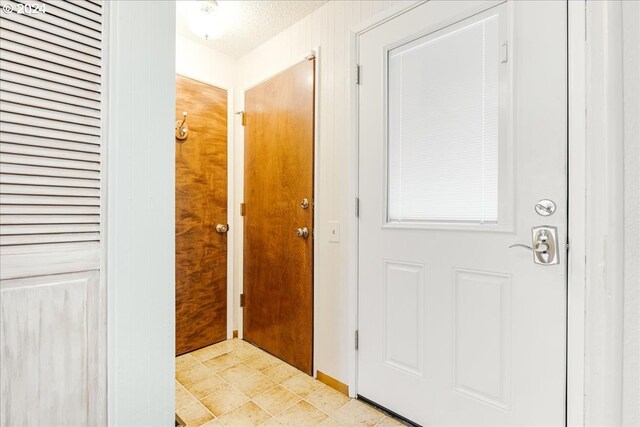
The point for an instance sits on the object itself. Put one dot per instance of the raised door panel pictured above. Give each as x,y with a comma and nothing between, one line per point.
52,351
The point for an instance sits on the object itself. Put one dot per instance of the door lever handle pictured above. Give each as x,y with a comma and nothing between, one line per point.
545,245
540,247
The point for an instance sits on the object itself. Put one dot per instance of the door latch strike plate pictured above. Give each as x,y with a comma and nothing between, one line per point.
356,339
241,300
504,52
242,209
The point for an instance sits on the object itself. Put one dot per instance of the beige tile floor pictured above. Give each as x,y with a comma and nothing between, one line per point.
233,383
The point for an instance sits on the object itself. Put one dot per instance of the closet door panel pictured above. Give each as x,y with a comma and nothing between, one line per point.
50,348
52,292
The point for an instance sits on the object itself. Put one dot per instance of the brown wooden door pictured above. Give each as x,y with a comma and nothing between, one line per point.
201,204
278,265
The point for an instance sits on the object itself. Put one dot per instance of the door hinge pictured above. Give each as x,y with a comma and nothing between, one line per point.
242,117
242,209
356,339
504,52
357,207
241,300
357,74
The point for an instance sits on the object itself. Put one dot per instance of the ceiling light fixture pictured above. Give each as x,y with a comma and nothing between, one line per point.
203,20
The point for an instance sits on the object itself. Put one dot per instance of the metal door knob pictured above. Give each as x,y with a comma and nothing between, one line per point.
302,232
222,228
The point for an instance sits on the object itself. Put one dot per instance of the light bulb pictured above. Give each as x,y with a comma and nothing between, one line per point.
203,20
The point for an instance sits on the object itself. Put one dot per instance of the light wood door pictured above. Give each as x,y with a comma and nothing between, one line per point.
201,204
278,265
456,326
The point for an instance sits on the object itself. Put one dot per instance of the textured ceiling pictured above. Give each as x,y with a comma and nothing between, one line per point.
247,24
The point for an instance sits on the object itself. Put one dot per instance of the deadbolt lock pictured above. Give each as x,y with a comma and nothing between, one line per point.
545,207
304,204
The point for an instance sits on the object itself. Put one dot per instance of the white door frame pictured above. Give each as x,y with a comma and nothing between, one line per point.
595,205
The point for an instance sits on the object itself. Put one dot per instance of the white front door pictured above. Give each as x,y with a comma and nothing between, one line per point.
463,149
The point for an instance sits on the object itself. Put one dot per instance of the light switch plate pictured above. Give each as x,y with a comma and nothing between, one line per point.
334,231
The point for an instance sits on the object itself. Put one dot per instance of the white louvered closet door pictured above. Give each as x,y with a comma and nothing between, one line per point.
52,300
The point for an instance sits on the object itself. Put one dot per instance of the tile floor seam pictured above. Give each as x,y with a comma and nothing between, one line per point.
307,385
292,392
301,399
316,406
288,407
227,383
185,387
235,407
273,416
190,394
244,394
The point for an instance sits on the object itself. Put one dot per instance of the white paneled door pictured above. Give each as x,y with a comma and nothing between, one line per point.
463,142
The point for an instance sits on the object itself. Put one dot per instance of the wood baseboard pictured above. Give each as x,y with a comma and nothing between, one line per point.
332,382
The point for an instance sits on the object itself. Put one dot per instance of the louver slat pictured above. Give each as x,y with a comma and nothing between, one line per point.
50,127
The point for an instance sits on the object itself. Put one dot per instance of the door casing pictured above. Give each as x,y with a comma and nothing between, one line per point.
578,191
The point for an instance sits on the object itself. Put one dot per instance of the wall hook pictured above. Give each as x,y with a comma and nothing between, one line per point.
182,130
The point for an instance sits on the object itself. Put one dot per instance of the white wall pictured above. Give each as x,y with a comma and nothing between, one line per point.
631,71
197,61
329,29
140,212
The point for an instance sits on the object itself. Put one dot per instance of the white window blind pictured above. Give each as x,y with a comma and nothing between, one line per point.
443,110
50,132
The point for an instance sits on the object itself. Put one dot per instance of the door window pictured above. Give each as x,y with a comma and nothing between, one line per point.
443,125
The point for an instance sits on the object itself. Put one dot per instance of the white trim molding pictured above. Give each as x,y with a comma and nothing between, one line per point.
631,71
140,226
604,193
576,214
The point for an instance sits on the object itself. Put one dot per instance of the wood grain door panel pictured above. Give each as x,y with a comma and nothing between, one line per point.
201,204
278,265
